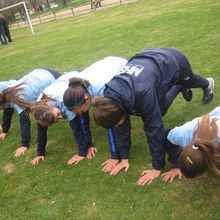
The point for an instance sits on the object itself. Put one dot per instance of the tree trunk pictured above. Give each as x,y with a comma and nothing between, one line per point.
48,4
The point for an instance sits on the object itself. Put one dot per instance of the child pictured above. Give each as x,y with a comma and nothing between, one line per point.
50,109
55,110
91,83
141,90
18,95
200,141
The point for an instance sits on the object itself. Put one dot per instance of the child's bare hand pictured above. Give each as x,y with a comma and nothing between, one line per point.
75,159
109,165
148,176
172,174
123,164
20,151
3,136
91,152
37,159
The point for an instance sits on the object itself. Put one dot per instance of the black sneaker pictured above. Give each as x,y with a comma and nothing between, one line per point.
208,94
187,94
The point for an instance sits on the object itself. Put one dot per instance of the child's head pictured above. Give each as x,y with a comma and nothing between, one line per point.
45,114
107,113
12,94
192,162
76,98
204,153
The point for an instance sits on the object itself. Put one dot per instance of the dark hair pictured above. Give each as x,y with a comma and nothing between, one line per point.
204,153
42,112
12,94
73,97
106,112
2,99
192,162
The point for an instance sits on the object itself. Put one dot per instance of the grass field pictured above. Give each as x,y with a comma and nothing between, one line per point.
55,190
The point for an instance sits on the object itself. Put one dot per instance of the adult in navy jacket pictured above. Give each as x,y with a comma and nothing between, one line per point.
146,87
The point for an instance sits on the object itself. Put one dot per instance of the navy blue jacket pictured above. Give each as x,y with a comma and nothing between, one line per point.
139,90
81,129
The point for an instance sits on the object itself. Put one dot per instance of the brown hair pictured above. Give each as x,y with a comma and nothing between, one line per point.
204,153
42,112
106,112
12,94
74,95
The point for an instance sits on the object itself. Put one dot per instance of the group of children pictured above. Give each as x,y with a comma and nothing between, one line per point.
145,85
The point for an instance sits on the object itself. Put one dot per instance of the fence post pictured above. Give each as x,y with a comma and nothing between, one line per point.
54,13
72,11
120,2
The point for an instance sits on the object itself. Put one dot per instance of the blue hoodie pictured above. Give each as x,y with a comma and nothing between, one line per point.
138,90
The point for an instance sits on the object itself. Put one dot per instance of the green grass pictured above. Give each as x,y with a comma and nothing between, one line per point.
54,190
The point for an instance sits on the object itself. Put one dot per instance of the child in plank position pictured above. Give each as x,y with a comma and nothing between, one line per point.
200,143
142,89
18,95
48,111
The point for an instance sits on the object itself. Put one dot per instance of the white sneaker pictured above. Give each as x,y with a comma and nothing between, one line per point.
208,94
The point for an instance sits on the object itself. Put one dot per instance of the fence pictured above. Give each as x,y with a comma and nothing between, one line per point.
80,9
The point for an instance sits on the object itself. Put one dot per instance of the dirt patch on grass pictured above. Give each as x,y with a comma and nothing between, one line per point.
9,168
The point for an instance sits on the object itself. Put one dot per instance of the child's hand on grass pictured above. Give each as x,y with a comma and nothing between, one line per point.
75,159
172,174
109,165
20,151
123,164
148,176
3,136
37,159
91,152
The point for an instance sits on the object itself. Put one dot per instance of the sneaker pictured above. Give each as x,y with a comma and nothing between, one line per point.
187,94
208,93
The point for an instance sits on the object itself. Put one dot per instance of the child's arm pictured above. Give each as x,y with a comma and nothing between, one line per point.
121,143
7,116
25,133
81,130
41,144
154,130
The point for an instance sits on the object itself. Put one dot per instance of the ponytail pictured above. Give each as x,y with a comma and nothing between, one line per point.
74,95
204,153
12,94
77,81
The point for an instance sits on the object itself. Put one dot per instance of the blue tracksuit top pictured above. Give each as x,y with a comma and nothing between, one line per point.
79,124
34,83
56,91
183,135
101,72
143,82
